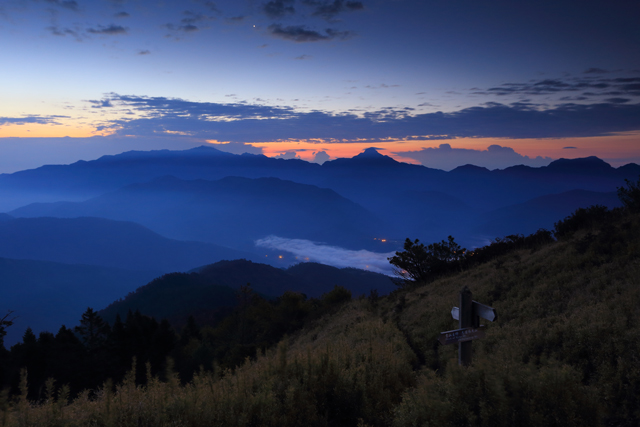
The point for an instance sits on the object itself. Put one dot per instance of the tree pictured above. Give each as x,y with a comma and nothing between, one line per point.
630,195
5,322
93,331
420,263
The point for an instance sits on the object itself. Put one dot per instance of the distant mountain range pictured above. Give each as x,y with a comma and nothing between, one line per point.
142,214
106,243
232,211
389,198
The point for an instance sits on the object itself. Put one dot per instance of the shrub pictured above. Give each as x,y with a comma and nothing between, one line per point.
337,295
581,219
630,195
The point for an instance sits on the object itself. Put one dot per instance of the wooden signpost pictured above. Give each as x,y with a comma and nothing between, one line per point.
468,317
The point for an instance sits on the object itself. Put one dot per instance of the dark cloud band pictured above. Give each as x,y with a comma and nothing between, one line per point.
109,30
43,120
241,122
300,34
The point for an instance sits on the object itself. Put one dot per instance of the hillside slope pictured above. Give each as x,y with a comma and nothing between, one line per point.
563,352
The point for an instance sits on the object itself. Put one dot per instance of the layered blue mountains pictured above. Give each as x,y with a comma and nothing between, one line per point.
110,232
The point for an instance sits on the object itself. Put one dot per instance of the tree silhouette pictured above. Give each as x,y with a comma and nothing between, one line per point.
93,331
630,195
420,263
5,322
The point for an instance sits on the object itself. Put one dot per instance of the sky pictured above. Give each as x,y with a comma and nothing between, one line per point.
439,83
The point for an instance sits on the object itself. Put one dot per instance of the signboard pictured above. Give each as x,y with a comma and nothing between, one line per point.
468,316
480,310
461,335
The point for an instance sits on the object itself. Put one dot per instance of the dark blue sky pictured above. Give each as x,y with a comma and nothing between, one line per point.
302,77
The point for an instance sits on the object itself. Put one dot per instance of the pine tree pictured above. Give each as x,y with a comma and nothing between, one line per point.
93,331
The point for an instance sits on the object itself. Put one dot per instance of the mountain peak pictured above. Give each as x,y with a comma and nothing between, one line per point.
370,157
370,153
584,164
469,168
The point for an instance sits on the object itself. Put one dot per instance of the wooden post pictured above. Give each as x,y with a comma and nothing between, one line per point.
468,316
466,320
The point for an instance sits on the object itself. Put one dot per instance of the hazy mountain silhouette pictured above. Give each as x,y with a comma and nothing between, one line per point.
630,171
45,295
397,193
232,211
85,179
103,242
207,291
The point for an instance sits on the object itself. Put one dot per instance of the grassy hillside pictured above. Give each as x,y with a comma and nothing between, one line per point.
564,351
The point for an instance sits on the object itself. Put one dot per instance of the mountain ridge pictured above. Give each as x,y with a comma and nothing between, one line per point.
103,242
212,289
232,211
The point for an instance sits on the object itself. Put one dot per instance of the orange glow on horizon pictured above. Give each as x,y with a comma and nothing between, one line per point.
621,146
306,150
36,130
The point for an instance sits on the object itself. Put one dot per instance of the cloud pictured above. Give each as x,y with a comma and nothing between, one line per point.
66,4
188,23
320,157
288,155
330,255
595,71
278,8
569,148
122,15
303,57
187,28
193,17
330,9
300,34
495,157
381,86
56,31
104,103
212,6
243,122
618,100
144,52
109,30
43,120
588,86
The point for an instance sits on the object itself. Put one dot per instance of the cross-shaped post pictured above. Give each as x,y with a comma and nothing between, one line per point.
468,317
